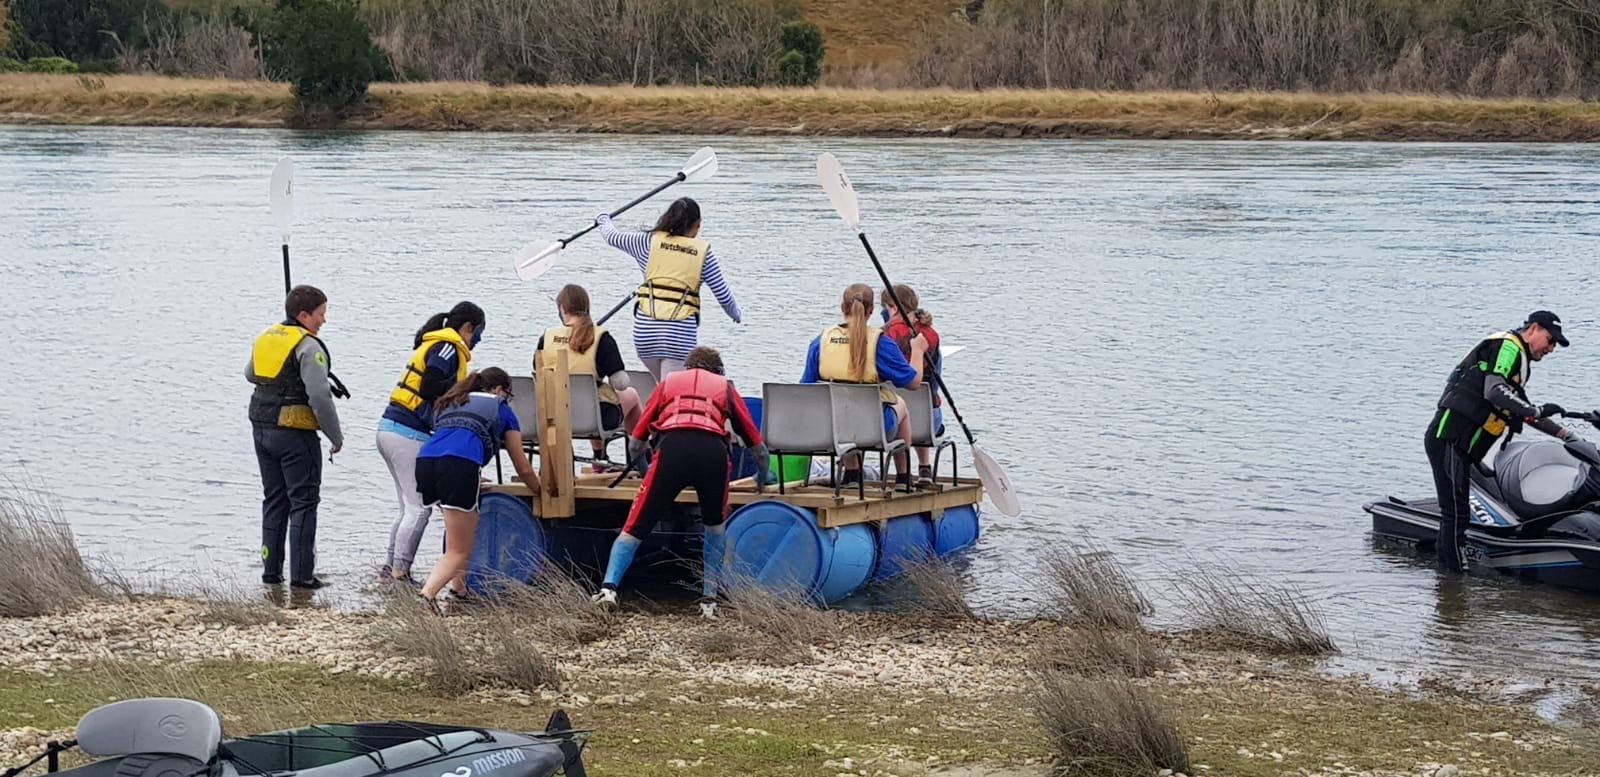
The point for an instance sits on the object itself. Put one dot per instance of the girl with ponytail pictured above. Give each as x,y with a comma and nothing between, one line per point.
439,355
472,422
902,334
591,350
856,352
676,263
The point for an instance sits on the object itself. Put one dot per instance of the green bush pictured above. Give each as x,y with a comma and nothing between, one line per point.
792,69
99,66
805,40
325,49
9,65
83,29
530,75
51,65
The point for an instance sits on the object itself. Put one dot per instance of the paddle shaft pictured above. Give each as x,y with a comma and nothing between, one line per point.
286,286
927,363
614,309
641,198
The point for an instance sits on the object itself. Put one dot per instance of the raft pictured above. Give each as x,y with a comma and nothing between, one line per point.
806,540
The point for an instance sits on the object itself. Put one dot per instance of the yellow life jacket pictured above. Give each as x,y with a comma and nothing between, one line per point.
408,390
671,288
280,397
833,359
560,338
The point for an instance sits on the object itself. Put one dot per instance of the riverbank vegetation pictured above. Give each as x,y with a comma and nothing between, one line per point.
1081,688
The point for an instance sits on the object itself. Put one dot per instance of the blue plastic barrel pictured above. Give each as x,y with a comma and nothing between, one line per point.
956,530
906,540
509,544
780,547
744,464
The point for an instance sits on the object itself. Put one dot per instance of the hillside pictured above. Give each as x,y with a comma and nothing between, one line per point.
864,32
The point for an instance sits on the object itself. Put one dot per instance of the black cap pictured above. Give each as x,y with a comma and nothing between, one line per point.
1549,322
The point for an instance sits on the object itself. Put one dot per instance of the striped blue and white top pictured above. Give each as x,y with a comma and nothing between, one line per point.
667,339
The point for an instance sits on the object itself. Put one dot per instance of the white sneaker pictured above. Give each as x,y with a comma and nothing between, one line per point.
708,610
606,598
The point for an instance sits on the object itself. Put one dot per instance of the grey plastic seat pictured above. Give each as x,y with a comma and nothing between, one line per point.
919,415
643,382
163,726
797,418
858,425
584,396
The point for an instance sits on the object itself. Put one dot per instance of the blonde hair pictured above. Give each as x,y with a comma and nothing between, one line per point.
856,306
574,300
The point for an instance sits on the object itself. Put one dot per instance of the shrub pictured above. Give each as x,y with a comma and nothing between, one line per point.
104,66
325,49
803,38
52,65
9,65
1264,615
1087,586
1106,727
530,75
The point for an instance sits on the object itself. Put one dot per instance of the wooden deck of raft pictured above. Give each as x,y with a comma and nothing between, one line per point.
843,511
564,494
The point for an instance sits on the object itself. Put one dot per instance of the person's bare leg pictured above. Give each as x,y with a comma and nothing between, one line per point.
460,528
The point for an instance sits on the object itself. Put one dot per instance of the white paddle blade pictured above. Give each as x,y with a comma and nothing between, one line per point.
950,350
843,196
283,196
995,483
532,263
701,166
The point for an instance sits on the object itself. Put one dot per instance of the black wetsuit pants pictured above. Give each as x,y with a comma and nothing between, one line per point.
684,458
291,486
1452,481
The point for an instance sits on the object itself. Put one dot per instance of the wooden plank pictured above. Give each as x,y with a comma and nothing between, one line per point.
831,512
556,498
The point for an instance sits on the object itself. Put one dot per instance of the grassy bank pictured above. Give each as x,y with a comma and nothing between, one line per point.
157,101
660,705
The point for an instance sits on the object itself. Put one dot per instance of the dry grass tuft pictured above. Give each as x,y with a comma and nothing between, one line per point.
1091,652
777,627
233,604
1106,727
1085,585
1265,616
932,586
557,605
41,570
488,648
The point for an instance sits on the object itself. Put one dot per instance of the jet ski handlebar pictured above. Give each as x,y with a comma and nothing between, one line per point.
1591,417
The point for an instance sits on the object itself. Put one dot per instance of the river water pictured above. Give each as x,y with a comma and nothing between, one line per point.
1191,353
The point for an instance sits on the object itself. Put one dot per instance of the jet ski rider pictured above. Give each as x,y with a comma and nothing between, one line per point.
1485,395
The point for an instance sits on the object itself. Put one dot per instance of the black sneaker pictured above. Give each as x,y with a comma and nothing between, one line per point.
267,579
851,477
902,482
308,585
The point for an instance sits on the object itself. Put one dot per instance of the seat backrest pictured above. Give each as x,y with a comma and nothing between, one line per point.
919,413
585,398
159,725
525,403
643,382
858,416
797,417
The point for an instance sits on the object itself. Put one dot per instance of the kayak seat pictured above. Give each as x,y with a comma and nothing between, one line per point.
919,406
643,382
156,726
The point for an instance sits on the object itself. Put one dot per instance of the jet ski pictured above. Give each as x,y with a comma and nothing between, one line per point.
1535,514
160,737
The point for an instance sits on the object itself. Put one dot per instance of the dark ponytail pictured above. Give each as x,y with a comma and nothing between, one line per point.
484,380
463,313
681,216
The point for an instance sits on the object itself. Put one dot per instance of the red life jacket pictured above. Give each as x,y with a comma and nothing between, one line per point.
693,399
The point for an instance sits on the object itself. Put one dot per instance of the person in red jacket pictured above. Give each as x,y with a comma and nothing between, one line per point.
901,334
689,412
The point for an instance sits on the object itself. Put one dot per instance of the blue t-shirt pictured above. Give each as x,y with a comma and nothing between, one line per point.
443,358
464,443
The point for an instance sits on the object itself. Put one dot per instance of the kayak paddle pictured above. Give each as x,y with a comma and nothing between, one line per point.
831,174
532,262
283,208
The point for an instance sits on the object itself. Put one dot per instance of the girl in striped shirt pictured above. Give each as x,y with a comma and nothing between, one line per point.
675,263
